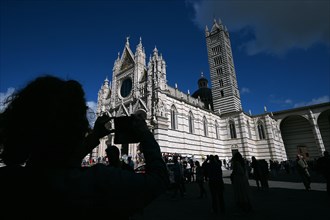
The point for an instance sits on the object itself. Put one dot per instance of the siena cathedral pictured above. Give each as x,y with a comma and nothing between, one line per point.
210,120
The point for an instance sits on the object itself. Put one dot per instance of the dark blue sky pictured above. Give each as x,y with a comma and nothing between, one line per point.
281,62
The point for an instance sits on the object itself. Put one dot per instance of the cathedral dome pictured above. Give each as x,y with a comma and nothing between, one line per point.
204,93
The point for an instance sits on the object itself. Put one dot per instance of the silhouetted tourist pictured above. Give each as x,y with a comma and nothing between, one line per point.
323,166
178,178
216,184
241,187
302,169
205,166
42,135
256,171
200,179
113,155
264,174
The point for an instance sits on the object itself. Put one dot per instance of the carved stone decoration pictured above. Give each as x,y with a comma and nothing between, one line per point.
127,62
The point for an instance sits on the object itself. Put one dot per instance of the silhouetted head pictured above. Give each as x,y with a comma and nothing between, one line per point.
44,123
113,155
238,158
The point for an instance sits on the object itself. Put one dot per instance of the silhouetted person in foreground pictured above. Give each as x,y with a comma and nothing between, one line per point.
200,179
44,135
241,187
216,184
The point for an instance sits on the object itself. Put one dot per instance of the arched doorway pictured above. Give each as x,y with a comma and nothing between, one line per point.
323,122
298,137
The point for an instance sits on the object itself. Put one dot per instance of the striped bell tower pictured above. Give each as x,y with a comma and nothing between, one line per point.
225,93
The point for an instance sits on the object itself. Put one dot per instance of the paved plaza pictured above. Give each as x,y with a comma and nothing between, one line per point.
286,199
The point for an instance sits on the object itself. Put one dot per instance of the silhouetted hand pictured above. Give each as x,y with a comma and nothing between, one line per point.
140,126
99,129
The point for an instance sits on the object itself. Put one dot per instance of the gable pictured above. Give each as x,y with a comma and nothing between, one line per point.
127,60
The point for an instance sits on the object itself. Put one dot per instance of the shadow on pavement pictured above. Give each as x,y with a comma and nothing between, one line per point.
276,203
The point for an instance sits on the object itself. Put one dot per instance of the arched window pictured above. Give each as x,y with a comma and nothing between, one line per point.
232,129
191,122
216,129
261,130
174,118
205,126
221,82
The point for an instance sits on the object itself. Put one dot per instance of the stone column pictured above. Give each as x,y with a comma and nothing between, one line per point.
316,132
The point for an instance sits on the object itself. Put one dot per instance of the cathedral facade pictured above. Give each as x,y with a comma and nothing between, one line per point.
210,120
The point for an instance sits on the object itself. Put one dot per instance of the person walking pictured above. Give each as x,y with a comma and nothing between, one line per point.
256,171
216,184
178,178
200,179
302,169
241,187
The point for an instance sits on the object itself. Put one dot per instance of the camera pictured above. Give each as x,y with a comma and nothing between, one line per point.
124,130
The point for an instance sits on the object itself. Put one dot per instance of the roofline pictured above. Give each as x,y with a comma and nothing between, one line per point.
302,108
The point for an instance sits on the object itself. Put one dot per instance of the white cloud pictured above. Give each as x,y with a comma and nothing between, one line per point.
280,101
277,25
245,90
288,101
313,102
91,112
4,96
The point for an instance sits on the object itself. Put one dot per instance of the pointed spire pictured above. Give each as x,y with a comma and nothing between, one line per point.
118,56
206,28
250,113
265,108
139,46
220,22
202,75
155,54
188,92
127,41
155,49
215,25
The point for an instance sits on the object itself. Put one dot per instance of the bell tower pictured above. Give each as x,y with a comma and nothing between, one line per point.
225,93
